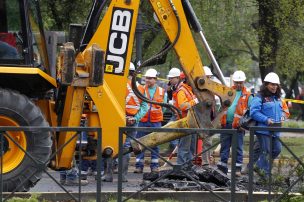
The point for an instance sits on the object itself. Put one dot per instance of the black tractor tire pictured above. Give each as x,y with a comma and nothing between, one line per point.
24,112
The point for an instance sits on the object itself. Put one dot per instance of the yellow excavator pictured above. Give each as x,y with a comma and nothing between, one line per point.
91,79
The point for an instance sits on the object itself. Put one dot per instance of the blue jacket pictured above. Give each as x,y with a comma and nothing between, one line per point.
262,109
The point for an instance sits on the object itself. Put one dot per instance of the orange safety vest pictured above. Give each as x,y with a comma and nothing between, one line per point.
155,113
184,107
240,110
132,101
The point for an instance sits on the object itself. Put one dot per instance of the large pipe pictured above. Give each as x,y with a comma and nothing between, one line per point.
158,138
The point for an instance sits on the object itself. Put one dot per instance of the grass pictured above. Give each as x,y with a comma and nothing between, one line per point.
296,145
137,200
33,198
293,124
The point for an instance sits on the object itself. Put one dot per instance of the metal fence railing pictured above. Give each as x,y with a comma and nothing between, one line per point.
42,166
176,168
124,131
272,196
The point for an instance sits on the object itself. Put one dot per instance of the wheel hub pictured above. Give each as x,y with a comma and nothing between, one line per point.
14,145
4,145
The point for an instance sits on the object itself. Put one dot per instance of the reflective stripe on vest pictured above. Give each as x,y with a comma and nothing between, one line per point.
132,101
239,110
155,113
189,95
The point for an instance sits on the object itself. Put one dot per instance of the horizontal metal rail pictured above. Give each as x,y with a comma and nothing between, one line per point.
126,130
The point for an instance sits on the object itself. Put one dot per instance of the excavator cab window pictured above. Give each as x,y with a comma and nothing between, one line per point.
11,32
22,40
37,39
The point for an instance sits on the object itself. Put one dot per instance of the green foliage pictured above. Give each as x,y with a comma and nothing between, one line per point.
138,200
58,14
293,199
290,22
228,29
33,198
232,29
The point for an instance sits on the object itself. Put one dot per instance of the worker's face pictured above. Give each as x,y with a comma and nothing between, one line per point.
239,85
150,81
174,80
272,87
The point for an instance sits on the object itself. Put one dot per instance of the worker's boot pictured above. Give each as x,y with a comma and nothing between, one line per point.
75,182
223,169
108,175
238,171
125,166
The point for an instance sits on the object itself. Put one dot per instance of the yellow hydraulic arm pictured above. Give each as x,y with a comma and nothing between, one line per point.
173,19
115,35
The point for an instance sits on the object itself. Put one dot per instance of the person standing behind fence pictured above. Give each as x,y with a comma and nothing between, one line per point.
135,110
269,110
184,99
153,118
231,120
207,158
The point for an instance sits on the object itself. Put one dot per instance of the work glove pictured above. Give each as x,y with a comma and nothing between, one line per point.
130,120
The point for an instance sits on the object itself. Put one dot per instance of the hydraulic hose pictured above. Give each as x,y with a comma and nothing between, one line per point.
155,57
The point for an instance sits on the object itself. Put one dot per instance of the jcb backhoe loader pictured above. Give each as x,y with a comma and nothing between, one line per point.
96,75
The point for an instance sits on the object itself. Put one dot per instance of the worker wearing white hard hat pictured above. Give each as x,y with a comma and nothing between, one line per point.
131,70
135,111
132,67
207,142
153,118
272,78
183,98
208,72
230,120
174,72
152,73
268,109
174,77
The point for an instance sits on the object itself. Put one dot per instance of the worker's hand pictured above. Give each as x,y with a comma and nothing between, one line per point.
269,122
240,129
130,120
196,100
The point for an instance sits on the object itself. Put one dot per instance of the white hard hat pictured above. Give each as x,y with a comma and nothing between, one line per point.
272,78
132,67
155,18
207,71
238,76
174,72
151,73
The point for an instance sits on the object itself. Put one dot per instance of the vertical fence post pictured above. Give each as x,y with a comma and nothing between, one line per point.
99,159
233,164
250,168
120,154
270,165
80,163
1,165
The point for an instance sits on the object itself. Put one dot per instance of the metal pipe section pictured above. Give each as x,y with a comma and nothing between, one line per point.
212,58
195,24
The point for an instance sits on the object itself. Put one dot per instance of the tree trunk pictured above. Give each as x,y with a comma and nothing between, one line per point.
268,36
